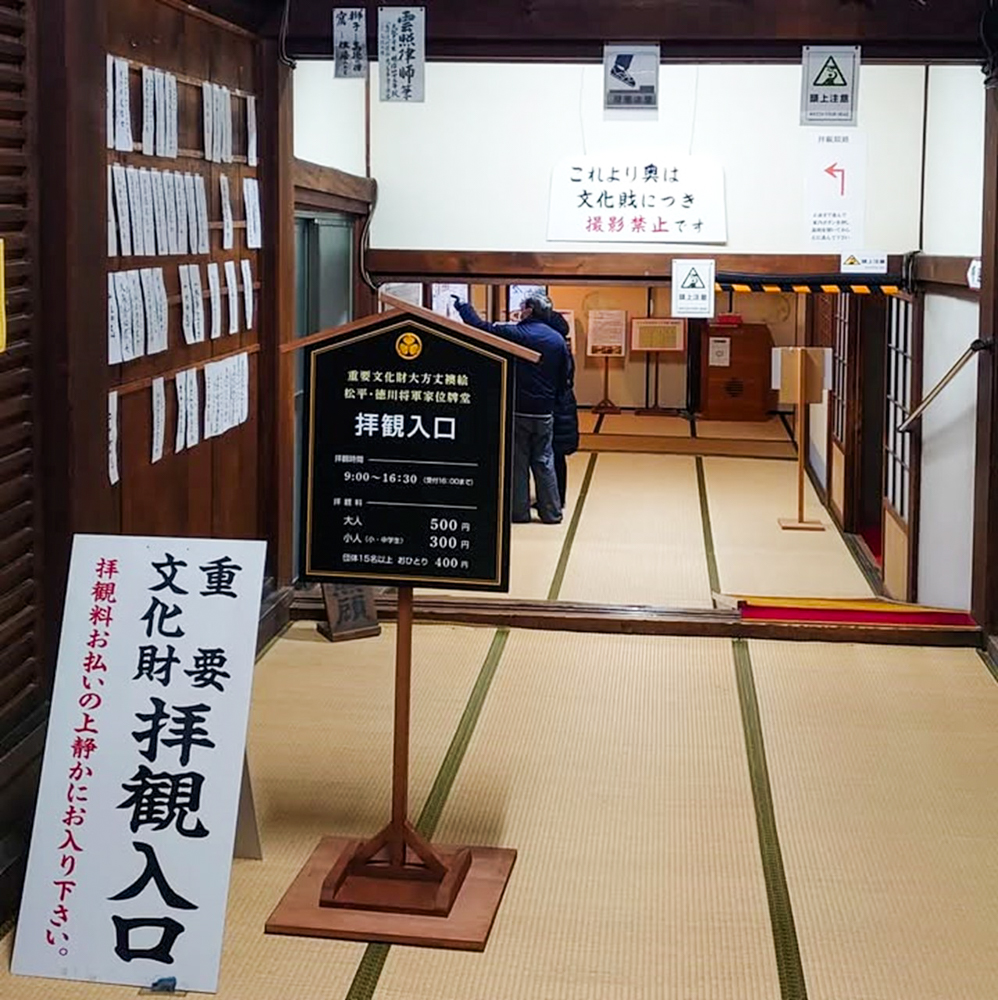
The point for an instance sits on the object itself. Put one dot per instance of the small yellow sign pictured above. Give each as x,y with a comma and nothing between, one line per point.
409,346
3,296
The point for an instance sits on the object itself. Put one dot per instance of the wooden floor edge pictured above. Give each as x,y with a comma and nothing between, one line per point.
558,616
705,447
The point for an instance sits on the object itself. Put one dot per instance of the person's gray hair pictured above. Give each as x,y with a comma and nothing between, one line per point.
537,301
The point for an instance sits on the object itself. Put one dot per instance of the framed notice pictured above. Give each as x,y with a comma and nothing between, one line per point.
569,316
131,849
606,336
658,335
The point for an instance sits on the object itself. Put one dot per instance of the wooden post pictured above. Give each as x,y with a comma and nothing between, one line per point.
400,756
606,404
800,524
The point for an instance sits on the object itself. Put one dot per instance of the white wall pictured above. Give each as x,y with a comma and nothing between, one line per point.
949,434
470,167
954,161
329,118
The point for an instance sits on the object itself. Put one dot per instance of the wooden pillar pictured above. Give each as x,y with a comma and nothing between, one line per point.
984,596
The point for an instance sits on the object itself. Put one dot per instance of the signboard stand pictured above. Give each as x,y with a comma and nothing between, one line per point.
440,466
801,398
606,404
650,408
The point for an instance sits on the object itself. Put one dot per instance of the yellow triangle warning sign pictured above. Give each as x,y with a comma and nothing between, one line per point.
830,75
692,280
852,261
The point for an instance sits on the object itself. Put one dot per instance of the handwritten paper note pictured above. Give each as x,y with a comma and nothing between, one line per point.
197,301
227,231
193,409
251,201
113,323
172,225
109,102
186,303
215,289
172,122
112,438
158,418
183,222
138,314
123,296
159,212
135,208
164,309
154,292
122,108
148,213
121,201
252,152
204,245
226,125
112,222
148,110
232,290
193,231
248,292
180,384
208,117
160,88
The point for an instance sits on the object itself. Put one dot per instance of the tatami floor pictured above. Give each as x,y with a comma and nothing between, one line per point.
695,818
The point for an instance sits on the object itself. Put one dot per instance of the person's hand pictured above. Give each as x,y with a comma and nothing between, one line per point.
457,299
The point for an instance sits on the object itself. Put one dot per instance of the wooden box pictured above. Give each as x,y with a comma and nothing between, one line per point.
735,372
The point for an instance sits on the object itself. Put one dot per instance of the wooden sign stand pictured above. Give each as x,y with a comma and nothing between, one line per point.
396,887
606,404
801,523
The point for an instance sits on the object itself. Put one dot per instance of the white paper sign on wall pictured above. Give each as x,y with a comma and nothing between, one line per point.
693,289
974,274
829,85
835,189
630,77
350,42
638,196
863,263
131,849
402,53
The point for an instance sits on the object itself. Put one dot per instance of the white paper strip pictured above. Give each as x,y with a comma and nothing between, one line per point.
154,291
121,201
113,323
185,298
112,437
252,153
208,109
135,211
171,116
109,102
227,125
182,221
197,301
244,387
215,289
248,292
204,244
122,108
209,399
164,308
170,198
112,222
148,308
158,418
193,225
227,232
148,110
138,314
251,203
159,78
180,383
218,135
193,409
232,290
148,213
123,295
159,213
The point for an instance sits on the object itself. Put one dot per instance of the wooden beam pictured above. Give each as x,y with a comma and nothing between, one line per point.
570,29
328,180
568,268
939,270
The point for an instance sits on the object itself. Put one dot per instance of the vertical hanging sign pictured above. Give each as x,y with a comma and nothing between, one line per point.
402,53
693,288
630,77
829,85
350,42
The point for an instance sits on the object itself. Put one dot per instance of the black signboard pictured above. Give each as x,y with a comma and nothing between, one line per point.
409,448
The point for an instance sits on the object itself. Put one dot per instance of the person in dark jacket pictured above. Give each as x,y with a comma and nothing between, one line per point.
538,387
566,414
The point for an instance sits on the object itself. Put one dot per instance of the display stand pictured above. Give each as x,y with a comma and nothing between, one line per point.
800,401
606,404
396,887
652,406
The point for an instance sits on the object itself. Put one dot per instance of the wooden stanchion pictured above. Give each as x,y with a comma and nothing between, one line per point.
801,523
606,404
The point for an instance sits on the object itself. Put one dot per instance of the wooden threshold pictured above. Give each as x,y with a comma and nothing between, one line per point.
635,619
664,445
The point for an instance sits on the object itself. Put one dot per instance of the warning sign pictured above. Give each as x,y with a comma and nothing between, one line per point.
829,85
693,289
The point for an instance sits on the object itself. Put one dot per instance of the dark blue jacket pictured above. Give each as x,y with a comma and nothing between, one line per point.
538,385
566,410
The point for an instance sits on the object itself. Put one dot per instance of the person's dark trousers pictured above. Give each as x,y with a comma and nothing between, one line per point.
561,474
532,452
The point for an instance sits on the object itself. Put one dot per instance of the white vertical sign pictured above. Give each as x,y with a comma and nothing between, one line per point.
402,53
132,844
158,418
350,42
829,85
693,288
112,460
835,189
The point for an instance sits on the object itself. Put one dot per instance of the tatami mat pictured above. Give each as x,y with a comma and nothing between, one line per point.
884,769
536,547
587,421
742,430
655,424
757,557
320,749
616,767
640,539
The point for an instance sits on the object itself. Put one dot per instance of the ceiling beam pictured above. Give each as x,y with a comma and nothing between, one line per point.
692,29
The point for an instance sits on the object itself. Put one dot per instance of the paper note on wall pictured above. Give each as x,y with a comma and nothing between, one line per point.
215,290
248,292
158,418
180,384
227,233
232,290
113,324
112,438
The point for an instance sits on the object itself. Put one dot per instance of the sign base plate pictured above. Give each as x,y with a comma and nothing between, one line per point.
606,406
466,927
792,524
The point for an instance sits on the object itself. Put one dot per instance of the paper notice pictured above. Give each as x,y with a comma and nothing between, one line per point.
113,324
171,116
193,230
159,213
232,290
215,289
193,409
208,106
159,79
248,292
112,437
170,199
122,108
148,213
109,102
227,234
204,245
123,295
209,400
185,298
138,314
251,203
180,383
135,209
121,201
197,301
227,125
164,309
158,418
154,292
148,110
252,154
182,221
112,222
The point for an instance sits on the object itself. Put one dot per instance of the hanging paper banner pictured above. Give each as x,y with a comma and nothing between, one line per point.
637,197
350,42
402,53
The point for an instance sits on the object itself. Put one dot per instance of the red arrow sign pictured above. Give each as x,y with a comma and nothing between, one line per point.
836,171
